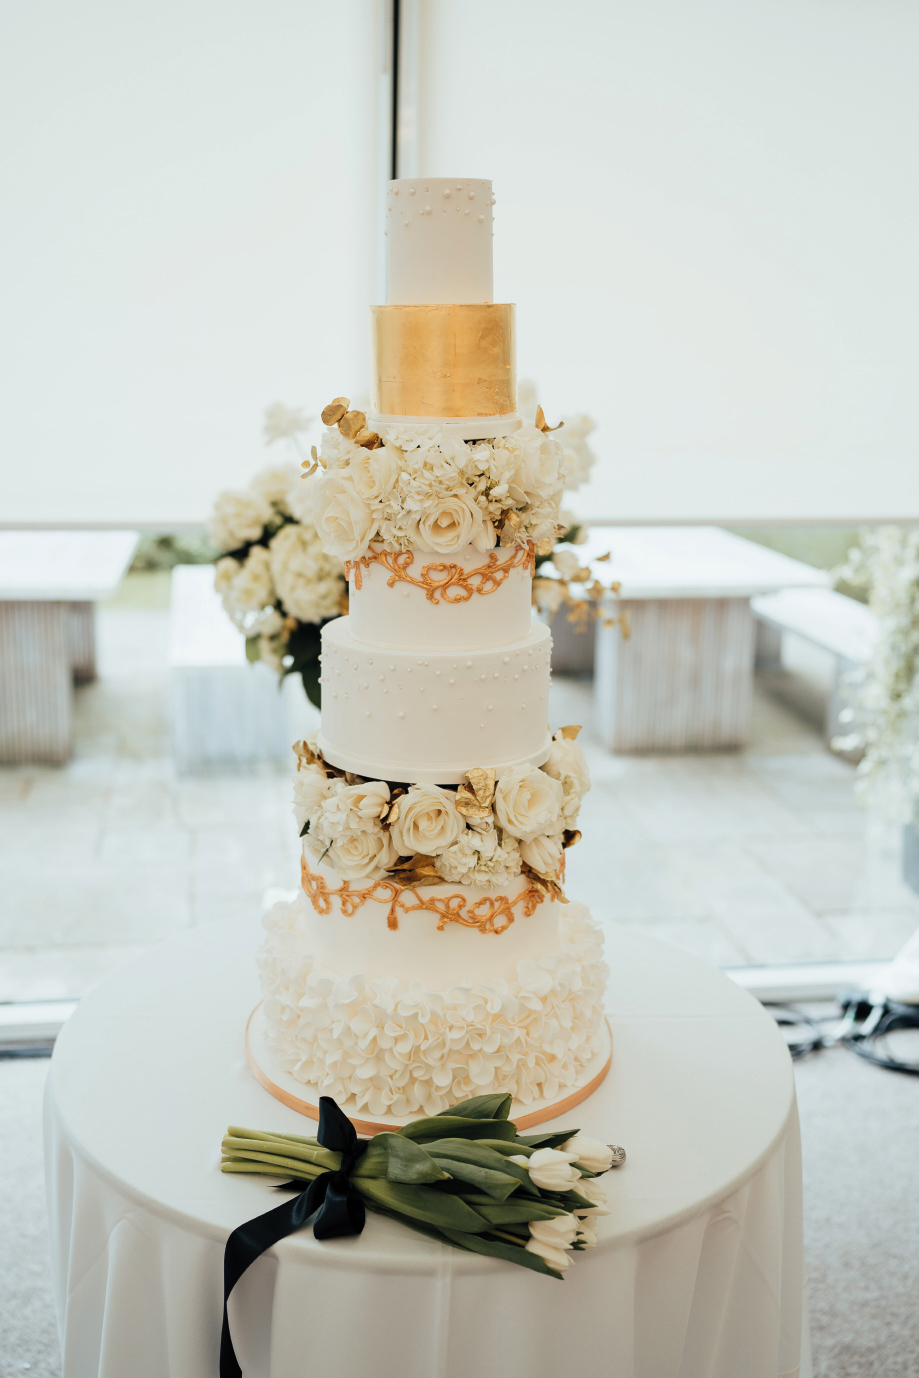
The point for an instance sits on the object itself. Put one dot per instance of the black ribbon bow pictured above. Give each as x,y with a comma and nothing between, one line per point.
341,1212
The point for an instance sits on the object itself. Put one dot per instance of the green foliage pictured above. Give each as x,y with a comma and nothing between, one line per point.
303,647
178,548
421,1203
399,1160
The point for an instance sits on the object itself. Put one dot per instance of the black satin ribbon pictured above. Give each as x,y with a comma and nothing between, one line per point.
341,1212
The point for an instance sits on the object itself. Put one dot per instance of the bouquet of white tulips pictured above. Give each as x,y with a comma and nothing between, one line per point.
464,1177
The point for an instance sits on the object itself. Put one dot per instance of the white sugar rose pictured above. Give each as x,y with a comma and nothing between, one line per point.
540,467
527,802
312,787
237,518
450,523
375,471
428,821
567,759
561,1230
551,1169
343,519
543,854
364,803
356,855
590,1153
272,484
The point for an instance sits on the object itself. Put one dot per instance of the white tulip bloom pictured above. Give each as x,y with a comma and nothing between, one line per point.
596,1157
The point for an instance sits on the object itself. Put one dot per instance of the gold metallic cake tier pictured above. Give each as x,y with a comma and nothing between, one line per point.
444,360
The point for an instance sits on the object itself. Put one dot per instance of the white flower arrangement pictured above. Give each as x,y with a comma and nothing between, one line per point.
885,711
417,486
482,833
277,583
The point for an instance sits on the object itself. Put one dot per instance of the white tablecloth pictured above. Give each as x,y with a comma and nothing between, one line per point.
698,1273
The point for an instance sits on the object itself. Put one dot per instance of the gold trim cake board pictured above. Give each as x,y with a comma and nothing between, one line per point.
280,1084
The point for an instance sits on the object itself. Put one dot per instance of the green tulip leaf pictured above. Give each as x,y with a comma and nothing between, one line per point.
549,1140
495,1184
440,1126
423,1203
398,1159
495,1107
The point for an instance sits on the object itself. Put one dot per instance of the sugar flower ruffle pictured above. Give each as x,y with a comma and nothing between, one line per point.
397,1049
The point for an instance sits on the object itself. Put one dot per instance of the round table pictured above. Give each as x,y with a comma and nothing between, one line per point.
699,1268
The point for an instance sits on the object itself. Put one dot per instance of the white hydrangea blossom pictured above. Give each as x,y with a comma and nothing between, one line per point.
482,859
885,713
308,582
579,457
237,519
426,489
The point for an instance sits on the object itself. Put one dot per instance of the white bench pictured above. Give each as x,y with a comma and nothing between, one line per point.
683,679
837,624
49,583
226,713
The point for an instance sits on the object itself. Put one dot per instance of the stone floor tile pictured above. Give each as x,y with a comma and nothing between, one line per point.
164,843
705,799
100,903
872,934
640,885
835,873
59,973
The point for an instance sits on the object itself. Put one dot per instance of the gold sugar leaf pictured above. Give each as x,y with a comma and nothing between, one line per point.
468,805
543,425
392,813
482,783
571,836
369,440
352,423
602,558
569,733
545,546
335,410
510,527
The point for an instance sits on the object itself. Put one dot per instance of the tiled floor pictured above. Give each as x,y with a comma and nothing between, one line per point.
760,856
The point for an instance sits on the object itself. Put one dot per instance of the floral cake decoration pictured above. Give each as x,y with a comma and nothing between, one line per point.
484,832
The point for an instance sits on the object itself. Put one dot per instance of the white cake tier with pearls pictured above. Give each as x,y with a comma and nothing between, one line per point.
439,240
422,600
425,719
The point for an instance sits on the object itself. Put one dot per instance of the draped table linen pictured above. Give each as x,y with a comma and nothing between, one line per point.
698,1273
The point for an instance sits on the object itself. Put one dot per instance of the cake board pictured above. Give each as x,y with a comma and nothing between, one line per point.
304,1097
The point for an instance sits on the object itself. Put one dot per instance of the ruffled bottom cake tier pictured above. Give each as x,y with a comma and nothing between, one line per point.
381,1045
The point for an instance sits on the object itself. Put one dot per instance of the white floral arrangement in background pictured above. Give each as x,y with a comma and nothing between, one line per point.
277,583
483,833
885,707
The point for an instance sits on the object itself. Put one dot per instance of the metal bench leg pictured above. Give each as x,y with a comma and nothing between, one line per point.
36,688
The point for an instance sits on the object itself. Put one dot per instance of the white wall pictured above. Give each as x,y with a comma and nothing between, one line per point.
708,215
187,220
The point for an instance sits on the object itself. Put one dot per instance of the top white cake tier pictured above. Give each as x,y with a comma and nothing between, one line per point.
439,241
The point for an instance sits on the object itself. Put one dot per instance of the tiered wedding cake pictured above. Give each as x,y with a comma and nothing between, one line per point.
432,954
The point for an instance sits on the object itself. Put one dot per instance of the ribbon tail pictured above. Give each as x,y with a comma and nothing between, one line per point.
247,1242
342,1211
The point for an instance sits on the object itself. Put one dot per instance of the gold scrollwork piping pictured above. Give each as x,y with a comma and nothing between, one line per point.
450,581
490,914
